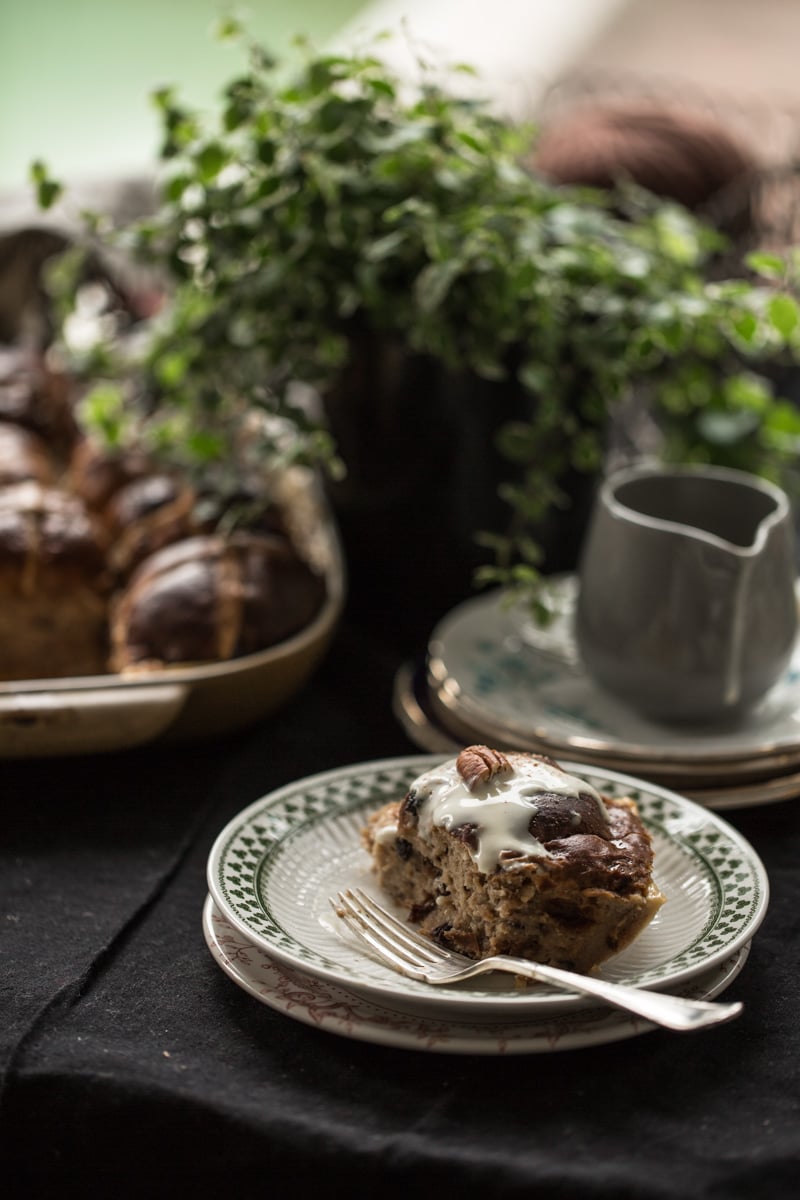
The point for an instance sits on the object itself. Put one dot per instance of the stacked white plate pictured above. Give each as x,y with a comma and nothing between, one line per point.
269,923
492,676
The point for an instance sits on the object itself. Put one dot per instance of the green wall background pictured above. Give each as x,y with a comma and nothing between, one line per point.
76,75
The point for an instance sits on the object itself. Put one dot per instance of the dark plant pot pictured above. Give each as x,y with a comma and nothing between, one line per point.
422,479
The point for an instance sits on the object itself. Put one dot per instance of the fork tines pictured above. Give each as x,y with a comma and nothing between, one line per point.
388,937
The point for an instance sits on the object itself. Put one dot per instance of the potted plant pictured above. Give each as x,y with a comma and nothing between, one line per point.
464,330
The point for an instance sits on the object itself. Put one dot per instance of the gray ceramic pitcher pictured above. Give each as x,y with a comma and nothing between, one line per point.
686,605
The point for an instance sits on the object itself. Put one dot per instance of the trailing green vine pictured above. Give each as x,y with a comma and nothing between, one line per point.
329,200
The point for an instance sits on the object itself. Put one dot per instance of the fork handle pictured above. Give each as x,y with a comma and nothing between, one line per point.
662,1008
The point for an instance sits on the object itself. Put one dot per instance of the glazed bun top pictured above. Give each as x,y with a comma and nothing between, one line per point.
24,456
210,598
47,534
37,399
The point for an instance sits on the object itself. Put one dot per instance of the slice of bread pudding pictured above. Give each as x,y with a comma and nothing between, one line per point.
506,853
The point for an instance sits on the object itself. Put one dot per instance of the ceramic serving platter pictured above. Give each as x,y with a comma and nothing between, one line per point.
495,673
273,869
326,1006
45,717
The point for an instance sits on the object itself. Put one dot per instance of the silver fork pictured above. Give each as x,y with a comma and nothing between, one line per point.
412,954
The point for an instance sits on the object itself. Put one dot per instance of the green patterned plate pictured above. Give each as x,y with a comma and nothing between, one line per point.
273,868
373,1019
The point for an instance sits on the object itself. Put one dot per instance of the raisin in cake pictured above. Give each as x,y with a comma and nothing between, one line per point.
496,853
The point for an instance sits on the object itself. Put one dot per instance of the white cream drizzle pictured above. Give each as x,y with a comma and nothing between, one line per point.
501,808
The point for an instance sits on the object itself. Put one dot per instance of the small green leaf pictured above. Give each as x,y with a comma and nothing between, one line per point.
210,160
783,313
48,190
205,445
746,326
103,411
175,187
163,99
434,282
536,377
726,428
171,368
386,246
768,265
228,28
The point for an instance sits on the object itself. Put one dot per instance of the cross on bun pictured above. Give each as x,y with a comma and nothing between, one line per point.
209,598
54,585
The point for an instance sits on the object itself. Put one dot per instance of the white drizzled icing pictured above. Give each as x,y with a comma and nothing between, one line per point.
501,808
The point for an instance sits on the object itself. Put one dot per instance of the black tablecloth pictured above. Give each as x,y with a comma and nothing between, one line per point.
131,1065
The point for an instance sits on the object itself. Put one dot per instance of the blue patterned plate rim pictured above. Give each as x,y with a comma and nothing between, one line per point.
516,685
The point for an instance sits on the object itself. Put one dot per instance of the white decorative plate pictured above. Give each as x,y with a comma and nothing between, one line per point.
510,680
326,1006
273,868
